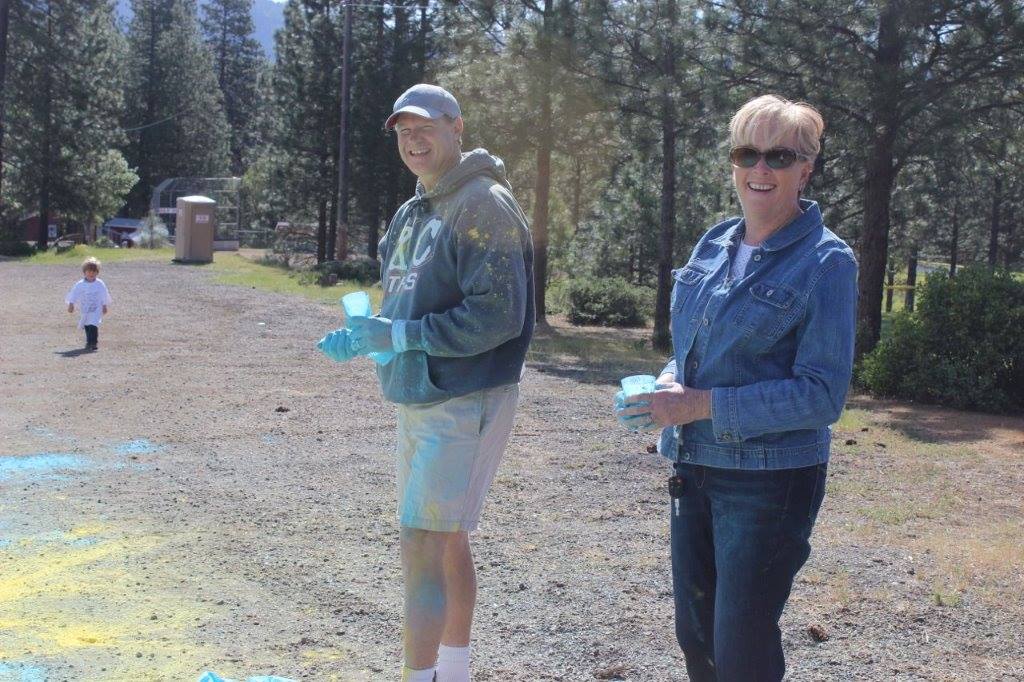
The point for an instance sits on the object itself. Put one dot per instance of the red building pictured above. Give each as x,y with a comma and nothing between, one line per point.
56,226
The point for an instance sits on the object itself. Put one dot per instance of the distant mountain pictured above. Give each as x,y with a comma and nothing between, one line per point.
267,17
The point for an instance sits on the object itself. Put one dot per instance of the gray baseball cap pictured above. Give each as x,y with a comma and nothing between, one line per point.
428,101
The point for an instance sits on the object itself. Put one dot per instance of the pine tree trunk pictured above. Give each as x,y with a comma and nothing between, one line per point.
890,279
908,300
321,232
880,176
954,246
577,195
5,10
542,185
373,230
662,338
874,245
1012,237
379,155
343,137
146,179
393,184
47,141
421,43
332,214
993,233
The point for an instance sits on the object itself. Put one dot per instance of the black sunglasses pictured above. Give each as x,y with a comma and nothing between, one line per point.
776,158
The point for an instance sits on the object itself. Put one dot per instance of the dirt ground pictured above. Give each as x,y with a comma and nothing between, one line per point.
207,492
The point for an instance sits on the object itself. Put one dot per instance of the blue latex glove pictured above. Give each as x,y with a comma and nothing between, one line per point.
637,422
371,335
337,345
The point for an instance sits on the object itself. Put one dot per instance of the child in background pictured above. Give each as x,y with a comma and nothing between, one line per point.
92,297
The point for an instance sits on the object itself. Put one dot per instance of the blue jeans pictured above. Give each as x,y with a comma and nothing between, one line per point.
737,543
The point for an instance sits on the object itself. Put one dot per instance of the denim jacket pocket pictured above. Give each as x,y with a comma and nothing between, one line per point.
769,310
686,281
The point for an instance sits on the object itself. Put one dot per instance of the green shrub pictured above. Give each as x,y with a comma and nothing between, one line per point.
962,347
609,302
362,269
16,248
557,296
275,260
104,243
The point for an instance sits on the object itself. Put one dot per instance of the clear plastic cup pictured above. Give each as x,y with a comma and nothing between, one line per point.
639,383
357,304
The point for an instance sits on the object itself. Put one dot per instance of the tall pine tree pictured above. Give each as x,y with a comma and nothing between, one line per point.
174,106
65,97
237,60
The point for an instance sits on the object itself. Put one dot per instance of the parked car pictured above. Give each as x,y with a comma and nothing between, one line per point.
125,232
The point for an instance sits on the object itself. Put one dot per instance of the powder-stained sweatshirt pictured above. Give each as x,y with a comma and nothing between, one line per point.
457,272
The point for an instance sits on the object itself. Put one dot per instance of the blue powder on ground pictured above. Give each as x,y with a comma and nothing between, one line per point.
211,676
41,464
83,542
21,672
139,446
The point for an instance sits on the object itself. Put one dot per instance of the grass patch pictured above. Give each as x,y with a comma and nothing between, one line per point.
987,561
853,419
947,596
235,270
899,513
80,252
840,588
594,355
846,488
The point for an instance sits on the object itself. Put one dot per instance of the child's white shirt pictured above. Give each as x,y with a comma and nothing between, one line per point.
90,297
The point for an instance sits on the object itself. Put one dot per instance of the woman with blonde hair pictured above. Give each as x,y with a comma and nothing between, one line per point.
763,319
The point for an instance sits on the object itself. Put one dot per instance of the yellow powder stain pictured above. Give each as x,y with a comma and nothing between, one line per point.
87,531
81,636
325,655
111,608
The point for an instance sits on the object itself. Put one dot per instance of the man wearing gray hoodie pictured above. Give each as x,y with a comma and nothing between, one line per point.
458,311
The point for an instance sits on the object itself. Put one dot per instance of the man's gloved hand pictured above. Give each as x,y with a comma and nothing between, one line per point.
371,335
337,345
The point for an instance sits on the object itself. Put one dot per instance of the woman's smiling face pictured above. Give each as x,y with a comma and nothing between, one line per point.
766,193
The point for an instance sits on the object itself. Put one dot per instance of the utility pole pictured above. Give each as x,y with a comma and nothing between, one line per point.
5,11
346,68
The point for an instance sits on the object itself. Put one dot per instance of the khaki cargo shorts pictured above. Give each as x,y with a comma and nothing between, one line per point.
448,453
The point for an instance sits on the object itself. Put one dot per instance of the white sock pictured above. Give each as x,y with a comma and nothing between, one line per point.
453,664
410,675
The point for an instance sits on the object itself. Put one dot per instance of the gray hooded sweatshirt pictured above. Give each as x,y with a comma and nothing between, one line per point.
457,270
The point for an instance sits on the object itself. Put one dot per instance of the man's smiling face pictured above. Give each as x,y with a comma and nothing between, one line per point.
428,147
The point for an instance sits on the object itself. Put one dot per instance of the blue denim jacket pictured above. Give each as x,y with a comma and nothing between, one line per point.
775,347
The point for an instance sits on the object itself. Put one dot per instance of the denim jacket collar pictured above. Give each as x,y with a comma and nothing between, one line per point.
791,232
797,228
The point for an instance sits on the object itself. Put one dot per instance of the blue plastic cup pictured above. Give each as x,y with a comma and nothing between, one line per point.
639,383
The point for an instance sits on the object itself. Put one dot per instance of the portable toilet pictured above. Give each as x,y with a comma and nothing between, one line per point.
194,229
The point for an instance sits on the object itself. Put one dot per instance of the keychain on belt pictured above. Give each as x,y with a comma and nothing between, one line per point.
676,485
